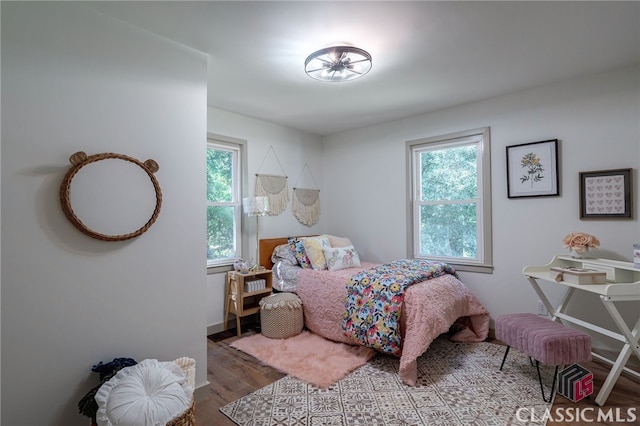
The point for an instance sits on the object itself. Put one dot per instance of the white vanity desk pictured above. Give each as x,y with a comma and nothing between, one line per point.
623,285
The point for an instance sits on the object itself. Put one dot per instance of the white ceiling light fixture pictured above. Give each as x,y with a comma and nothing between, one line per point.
338,63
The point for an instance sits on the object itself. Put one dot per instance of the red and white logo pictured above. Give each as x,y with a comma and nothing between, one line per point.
575,383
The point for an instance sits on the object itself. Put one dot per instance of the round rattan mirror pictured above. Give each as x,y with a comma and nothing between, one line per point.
110,197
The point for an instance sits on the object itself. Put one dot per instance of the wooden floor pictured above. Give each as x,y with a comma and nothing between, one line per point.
233,374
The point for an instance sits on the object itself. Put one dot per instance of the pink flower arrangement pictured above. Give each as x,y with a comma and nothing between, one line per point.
580,242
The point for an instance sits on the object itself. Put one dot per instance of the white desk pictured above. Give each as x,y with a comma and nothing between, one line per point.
623,285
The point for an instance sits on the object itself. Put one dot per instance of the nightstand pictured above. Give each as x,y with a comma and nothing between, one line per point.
243,294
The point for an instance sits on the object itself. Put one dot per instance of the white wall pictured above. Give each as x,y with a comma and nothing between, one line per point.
73,79
597,121
292,149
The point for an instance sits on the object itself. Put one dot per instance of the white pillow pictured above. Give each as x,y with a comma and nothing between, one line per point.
149,393
338,258
339,241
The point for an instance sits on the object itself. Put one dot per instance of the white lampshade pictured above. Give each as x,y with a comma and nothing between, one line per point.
256,206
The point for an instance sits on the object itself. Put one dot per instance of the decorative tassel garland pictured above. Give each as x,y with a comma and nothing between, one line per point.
306,205
276,188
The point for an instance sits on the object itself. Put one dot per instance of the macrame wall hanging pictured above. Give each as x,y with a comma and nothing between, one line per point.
306,202
274,187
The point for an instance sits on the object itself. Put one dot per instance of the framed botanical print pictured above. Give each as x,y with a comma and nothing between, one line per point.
606,194
532,169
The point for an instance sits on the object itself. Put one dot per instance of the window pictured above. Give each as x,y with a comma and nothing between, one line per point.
224,201
450,199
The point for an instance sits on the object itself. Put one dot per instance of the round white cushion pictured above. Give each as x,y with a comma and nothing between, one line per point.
147,394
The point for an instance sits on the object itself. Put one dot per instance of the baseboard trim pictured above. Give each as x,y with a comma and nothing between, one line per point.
217,328
214,328
492,334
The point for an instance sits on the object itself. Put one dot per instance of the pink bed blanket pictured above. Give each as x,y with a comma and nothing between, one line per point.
429,309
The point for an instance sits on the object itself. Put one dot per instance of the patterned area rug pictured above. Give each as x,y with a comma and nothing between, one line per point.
458,384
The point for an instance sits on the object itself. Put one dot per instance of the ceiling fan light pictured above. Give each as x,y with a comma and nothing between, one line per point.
338,63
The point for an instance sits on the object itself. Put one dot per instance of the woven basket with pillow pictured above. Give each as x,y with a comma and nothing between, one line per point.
150,393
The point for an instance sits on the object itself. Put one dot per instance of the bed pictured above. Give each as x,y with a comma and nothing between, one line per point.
429,308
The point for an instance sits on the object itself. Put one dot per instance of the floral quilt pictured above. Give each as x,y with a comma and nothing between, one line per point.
374,300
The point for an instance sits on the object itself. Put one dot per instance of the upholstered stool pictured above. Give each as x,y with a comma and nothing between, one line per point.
281,315
546,341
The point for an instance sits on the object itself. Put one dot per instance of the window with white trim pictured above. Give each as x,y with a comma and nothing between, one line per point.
224,202
450,198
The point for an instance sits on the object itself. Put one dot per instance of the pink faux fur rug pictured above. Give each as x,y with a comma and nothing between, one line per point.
306,356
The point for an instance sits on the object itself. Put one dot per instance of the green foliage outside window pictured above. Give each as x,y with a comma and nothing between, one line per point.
221,242
448,198
219,175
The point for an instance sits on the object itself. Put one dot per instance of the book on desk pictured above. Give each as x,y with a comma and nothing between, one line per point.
575,275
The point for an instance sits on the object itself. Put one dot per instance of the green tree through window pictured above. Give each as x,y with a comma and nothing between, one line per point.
450,199
222,203
448,212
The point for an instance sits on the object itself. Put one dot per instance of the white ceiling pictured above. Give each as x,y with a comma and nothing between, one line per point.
427,55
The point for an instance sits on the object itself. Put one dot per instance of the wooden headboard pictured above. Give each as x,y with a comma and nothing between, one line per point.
266,248
268,245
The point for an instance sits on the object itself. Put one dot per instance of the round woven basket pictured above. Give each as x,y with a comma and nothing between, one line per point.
281,315
187,418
